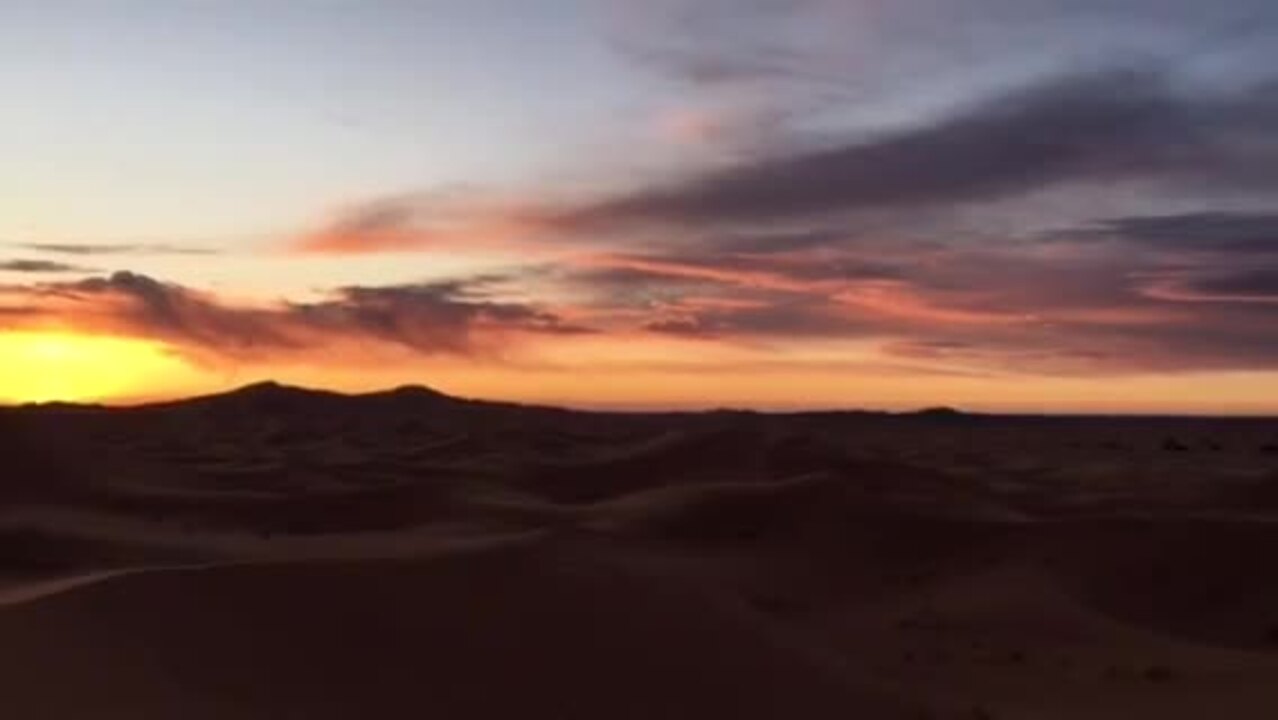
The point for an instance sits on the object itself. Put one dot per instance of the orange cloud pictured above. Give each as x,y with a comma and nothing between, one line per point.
429,223
461,317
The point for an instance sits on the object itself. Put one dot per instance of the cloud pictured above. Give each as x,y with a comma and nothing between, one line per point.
1217,232
1064,306
117,249
1212,256
919,233
1221,287
711,43
429,317
455,220
795,272
458,317
1171,292
139,305
1105,127
39,266
1061,307
1094,130
1248,284
776,317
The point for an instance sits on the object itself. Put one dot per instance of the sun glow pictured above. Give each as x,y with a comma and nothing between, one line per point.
48,366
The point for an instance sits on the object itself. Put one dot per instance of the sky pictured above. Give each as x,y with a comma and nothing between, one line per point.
1008,205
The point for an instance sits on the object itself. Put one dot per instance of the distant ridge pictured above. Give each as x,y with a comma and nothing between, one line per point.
270,391
411,392
272,388
273,397
276,395
942,413
67,406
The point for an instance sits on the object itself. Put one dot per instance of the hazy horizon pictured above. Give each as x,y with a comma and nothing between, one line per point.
1028,410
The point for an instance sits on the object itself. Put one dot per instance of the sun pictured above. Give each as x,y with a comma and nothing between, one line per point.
66,366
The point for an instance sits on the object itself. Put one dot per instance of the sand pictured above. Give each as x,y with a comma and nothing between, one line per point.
279,553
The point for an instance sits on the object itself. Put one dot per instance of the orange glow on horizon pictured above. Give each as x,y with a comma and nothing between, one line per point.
594,372
45,366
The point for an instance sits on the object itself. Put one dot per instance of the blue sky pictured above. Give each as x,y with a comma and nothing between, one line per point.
220,121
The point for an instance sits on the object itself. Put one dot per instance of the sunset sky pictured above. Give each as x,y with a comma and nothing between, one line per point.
1026,205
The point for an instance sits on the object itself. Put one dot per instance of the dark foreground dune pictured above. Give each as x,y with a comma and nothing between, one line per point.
275,553
526,631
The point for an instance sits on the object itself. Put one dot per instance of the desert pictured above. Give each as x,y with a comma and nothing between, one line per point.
280,552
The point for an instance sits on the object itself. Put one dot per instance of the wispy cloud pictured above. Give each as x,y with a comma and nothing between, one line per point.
118,249
39,266
1062,304
1092,129
456,317
432,221
1135,127
1250,233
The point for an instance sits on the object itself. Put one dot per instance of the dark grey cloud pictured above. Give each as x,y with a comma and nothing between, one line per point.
1241,285
863,47
1171,292
39,266
812,69
631,287
1071,307
1140,334
1219,231
1012,309
1095,128
1244,284
1074,132
775,316
637,268
899,196
173,312
427,318
1097,313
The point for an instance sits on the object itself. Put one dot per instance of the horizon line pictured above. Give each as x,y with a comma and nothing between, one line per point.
938,410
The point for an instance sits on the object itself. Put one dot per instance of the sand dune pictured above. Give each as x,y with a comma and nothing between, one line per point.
532,632
278,553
